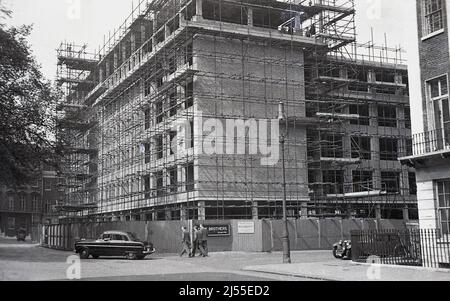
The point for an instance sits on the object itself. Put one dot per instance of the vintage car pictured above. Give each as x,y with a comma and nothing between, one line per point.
114,243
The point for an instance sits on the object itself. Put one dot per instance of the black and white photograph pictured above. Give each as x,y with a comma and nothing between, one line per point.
224,141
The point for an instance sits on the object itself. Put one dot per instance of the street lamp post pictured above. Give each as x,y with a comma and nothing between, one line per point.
285,235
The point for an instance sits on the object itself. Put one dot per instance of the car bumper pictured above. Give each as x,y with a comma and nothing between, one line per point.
149,251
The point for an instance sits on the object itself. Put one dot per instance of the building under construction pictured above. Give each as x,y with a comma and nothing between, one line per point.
146,119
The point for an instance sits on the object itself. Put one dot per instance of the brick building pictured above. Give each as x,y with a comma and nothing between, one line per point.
29,205
431,148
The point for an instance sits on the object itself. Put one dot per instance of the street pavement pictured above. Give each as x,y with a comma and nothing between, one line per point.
350,271
27,261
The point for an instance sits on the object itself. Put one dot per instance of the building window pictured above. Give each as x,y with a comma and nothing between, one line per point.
362,180
147,117
147,152
333,181
173,103
412,183
190,180
363,112
159,183
11,203
159,145
147,88
34,204
361,148
173,143
439,110
159,111
173,178
189,94
444,205
23,204
390,181
388,149
331,145
189,54
408,118
191,140
433,16
171,64
47,184
387,116
11,222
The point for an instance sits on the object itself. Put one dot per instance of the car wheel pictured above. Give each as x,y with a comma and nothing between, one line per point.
84,254
131,256
334,252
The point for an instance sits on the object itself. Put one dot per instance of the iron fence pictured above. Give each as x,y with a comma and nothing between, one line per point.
424,247
429,142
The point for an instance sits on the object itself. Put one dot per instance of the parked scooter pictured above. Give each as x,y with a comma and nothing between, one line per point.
343,249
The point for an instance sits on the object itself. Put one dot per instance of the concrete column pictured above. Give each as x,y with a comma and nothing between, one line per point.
255,214
401,123
201,211
133,42
155,27
250,16
143,34
116,60
166,31
199,9
108,67
349,211
124,51
304,211
100,74
406,213
373,114
404,182
378,211
182,18
168,214
183,213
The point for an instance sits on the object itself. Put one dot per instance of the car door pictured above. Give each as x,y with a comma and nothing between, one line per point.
104,245
117,245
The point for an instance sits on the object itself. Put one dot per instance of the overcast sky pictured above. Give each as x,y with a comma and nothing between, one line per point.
87,21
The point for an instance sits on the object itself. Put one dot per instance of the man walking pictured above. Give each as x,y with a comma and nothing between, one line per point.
197,241
186,241
204,242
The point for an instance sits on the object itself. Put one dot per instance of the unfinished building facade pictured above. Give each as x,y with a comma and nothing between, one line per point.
177,116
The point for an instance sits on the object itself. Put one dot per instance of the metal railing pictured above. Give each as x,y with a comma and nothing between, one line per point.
431,141
426,247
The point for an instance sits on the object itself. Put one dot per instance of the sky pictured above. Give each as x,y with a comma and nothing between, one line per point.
88,21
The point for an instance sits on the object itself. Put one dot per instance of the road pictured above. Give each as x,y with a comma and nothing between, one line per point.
27,261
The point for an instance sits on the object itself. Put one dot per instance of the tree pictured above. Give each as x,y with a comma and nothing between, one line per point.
26,108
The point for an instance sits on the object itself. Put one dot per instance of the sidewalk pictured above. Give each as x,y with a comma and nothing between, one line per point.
349,271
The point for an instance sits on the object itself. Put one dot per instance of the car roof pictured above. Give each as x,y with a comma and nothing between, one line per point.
115,232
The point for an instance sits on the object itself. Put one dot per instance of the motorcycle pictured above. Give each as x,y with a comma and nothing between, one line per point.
342,249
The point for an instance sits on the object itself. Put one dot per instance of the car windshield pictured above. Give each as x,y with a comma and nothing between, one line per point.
132,236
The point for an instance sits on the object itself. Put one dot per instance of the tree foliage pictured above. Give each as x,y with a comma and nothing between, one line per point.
26,108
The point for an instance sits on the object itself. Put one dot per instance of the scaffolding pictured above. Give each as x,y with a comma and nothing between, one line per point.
136,110
77,130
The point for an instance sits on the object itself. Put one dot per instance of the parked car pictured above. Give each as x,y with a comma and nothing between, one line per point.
114,243
21,234
343,249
